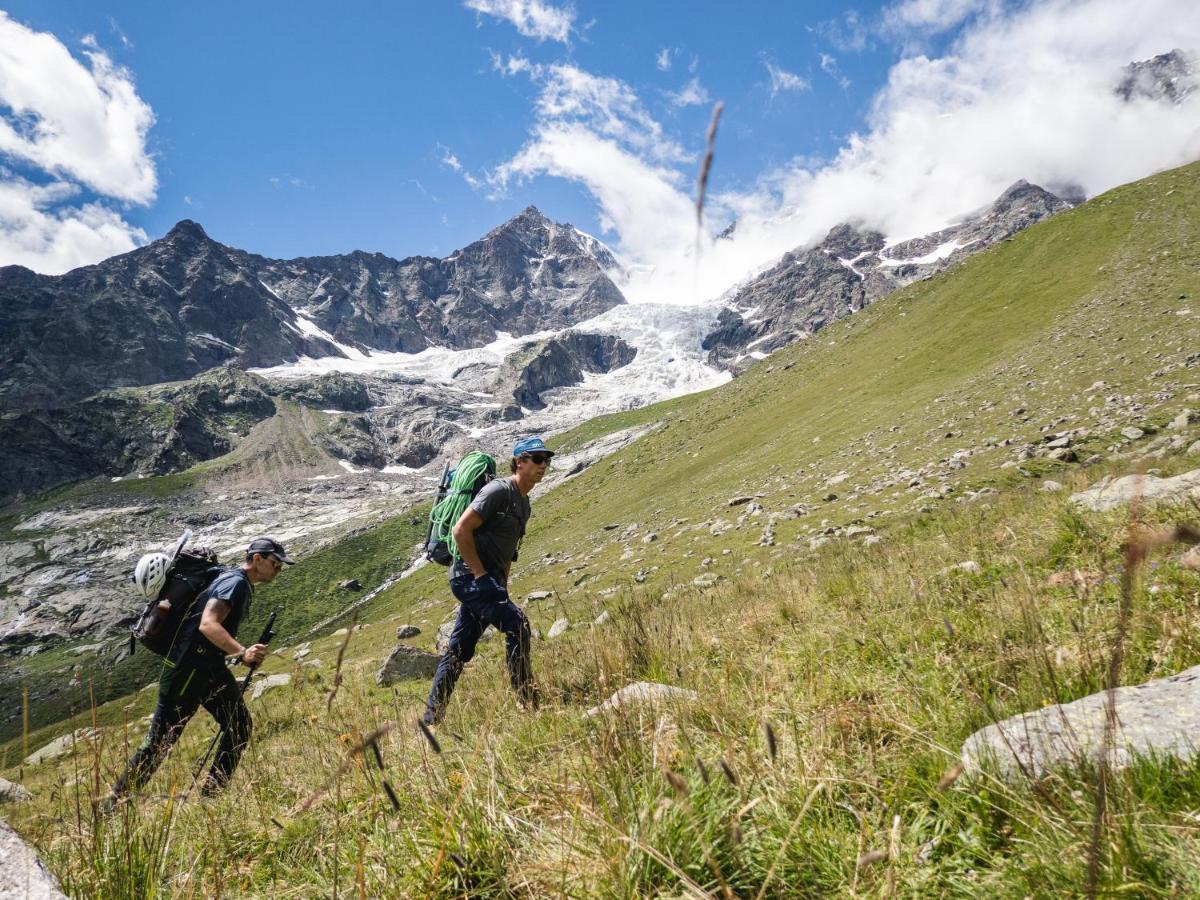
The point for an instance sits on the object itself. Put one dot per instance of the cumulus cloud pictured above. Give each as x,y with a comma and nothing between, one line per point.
532,18
1025,92
663,60
691,94
39,228
933,16
605,105
67,128
783,80
595,131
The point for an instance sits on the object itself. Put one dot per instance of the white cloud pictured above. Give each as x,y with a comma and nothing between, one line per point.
450,161
607,106
514,65
532,18
692,94
81,128
829,66
663,60
849,33
1023,93
933,16
642,202
783,80
288,180
86,124
40,231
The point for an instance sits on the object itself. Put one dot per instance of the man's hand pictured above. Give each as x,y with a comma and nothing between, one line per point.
489,584
254,655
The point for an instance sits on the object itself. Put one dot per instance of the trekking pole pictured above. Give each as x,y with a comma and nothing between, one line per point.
264,638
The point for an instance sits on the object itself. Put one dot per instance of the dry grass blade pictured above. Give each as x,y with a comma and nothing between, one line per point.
354,751
950,777
377,754
808,801
730,775
870,858
433,742
391,795
706,165
337,672
676,781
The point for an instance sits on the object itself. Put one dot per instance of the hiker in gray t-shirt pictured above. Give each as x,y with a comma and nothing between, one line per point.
488,534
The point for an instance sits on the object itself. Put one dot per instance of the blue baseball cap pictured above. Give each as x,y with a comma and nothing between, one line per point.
531,445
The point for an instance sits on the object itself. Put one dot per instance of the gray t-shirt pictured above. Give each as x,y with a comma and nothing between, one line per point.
505,511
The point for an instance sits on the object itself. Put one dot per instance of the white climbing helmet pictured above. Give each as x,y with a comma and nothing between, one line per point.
151,573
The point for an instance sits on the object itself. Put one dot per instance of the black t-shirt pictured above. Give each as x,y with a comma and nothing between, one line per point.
505,512
235,589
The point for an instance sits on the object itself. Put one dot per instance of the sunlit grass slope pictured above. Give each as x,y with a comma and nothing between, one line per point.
834,682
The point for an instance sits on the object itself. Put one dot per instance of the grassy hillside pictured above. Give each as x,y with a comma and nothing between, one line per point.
835,676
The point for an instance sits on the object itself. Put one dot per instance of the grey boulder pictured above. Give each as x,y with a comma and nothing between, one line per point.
1160,718
406,662
1109,493
643,693
22,873
269,684
13,793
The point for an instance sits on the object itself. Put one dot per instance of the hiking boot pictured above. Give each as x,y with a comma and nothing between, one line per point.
111,804
433,717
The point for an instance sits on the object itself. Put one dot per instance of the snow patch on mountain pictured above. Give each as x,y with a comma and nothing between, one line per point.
669,363
941,252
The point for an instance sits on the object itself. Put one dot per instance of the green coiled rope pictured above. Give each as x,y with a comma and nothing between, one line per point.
472,472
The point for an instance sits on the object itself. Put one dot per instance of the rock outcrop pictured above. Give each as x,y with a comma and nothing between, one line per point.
1168,77
852,267
647,693
149,431
22,873
558,362
406,662
1159,717
1110,493
186,303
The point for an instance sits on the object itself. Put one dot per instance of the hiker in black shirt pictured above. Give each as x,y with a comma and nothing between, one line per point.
487,536
194,673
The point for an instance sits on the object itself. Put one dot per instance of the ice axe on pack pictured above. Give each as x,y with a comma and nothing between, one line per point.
265,638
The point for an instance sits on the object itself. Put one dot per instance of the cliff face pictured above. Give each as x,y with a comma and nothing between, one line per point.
853,267
186,303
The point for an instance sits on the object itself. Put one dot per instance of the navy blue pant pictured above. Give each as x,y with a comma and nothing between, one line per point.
482,602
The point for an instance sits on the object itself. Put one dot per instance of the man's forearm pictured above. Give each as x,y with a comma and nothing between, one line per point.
466,549
220,638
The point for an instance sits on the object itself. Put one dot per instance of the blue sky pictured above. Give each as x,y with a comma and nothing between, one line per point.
300,128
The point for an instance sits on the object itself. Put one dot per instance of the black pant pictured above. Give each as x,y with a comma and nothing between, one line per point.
480,606
182,689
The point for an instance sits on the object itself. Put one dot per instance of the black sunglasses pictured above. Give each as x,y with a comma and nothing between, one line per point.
542,459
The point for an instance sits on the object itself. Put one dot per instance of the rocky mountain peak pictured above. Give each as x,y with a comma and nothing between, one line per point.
848,241
1169,78
186,229
1022,193
529,226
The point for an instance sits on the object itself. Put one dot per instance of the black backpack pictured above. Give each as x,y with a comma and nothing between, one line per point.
189,577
